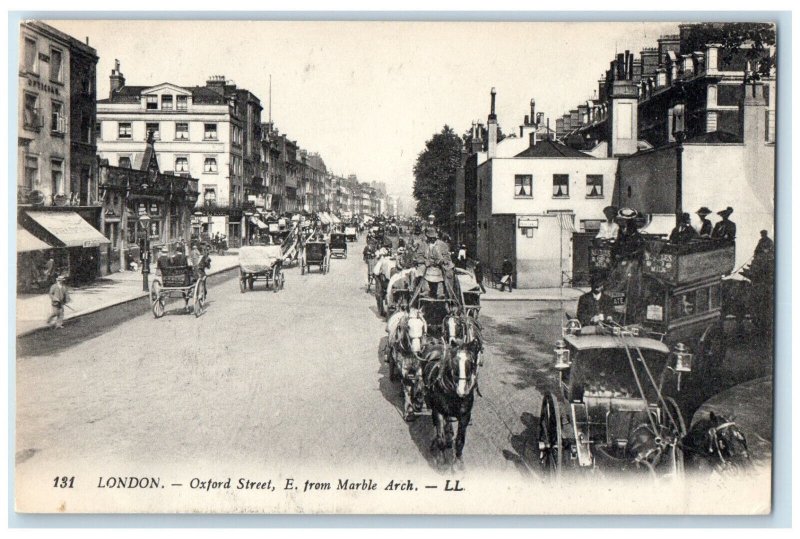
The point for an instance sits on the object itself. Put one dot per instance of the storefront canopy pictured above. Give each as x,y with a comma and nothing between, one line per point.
69,228
324,218
259,223
28,242
335,219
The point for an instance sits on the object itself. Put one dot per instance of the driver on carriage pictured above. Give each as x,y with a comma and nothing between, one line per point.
433,264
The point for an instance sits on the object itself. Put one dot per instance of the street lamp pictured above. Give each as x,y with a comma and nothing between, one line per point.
144,219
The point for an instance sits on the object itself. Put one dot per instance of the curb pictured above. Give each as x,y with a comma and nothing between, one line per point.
101,308
528,298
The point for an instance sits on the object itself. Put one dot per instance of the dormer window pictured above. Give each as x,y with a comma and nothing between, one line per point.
151,102
166,102
182,102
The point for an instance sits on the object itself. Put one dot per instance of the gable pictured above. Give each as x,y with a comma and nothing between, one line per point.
166,87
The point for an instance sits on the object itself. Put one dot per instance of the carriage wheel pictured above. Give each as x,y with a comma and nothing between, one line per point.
550,438
159,307
199,298
155,290
250,281
242,283
676,455
302,268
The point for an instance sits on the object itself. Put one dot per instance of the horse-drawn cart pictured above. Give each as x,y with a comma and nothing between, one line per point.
315,253
351,233
178,282
610,412
338,244
262,262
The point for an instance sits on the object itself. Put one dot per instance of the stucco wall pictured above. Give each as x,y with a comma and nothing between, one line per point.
542,258
647,181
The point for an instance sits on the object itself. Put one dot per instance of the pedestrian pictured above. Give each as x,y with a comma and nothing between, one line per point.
765,245
683,231
59,296
725,229
163,260
49,269
705,224
461,258
179,258
595,306
478,270
195,256
507,269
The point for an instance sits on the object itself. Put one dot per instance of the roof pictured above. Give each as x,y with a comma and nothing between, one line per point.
132,94
590,342
548,148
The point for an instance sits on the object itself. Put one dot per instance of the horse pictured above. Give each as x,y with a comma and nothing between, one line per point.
459,327
450,375
407,339
718,443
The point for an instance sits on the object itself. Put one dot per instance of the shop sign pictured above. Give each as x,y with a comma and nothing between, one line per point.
42,86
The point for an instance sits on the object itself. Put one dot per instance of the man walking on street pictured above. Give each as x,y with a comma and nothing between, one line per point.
59,296
478,270
507,269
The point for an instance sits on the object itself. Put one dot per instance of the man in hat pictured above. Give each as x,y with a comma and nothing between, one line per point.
163,260
595,306
683,231
179,258
765,245
630,242
705,225
59,296
609,230
725,229
434,253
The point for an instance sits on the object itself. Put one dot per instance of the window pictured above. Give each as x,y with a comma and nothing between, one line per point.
56,65
166,102
181,164
210,164
86,130
151,102
125,162
31,113
181,131
124,130
182,102
31,171
210,195
57,175
98,131
210,132
594,185
153,128
58,123
561,185
31,56
523,186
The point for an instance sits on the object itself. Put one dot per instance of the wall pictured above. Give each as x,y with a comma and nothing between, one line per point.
647,181
541,259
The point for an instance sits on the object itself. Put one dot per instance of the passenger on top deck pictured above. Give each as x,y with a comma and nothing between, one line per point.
609,229
683,231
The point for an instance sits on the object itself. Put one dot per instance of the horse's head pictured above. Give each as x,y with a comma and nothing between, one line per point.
417,327
726,442
465,367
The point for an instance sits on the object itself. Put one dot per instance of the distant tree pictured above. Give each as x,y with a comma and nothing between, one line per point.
435,175
753,41
484,134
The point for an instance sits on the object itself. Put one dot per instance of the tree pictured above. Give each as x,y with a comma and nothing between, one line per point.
435,175
751,41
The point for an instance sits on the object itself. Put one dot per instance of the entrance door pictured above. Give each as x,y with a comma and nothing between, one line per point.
86,176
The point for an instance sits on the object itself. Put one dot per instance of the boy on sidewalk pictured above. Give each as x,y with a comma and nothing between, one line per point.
59,296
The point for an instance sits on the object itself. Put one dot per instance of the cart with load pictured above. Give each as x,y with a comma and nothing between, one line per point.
338,244
610,413
351,232
470,292
178,282
315,253
262,262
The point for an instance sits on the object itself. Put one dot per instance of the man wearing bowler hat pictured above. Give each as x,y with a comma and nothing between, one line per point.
725,229
705,224
683,231
595,306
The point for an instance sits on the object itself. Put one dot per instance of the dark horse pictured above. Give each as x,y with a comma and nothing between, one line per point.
718,443
450,376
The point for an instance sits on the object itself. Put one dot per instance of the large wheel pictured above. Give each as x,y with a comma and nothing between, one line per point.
676,456
250,280
302,268
159,307
199,298
242,282
550,438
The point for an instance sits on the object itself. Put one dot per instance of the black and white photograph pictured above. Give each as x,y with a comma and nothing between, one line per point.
394,267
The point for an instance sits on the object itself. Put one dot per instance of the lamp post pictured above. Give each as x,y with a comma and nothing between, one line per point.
144,219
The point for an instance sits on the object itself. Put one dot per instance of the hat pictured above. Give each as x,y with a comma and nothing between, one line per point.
627,213
609,211
60,278
431,233
685,217
764,232
726,212
703,211
597,280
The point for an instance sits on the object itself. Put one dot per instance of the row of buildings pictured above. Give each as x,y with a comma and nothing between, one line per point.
667,132
147,165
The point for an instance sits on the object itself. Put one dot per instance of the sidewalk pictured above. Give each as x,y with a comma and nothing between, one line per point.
533,294
114,289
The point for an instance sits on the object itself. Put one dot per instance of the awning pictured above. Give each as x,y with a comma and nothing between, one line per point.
28,242
336,220
258,222
565,221
69,228
324,218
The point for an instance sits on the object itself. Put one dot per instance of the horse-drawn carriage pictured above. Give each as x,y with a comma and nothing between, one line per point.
611,413
351,232
261,263
178,282
315,253
338,245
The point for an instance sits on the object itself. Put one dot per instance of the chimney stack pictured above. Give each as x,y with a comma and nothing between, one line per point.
491,147
623,118
216,83
117,79
533,111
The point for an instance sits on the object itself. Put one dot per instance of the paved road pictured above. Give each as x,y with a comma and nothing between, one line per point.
262,377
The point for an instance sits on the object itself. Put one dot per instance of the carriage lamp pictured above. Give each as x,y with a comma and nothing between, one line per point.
683,358
562,356
572,327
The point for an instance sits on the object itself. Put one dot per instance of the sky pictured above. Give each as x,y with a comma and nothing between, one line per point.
367,95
